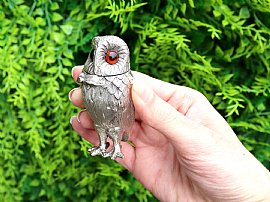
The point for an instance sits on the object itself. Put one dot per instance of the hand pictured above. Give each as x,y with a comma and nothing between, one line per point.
184,150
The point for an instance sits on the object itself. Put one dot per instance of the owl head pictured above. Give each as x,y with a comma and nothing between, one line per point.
109,57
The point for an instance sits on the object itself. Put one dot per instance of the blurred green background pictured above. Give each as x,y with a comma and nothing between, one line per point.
221,48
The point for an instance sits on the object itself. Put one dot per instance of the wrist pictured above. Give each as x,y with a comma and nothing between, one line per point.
260,181
266,192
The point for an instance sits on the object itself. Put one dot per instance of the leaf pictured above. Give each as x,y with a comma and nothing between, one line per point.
244,12
66,71
227,78
40,21
183,8
191,3
67,29
26,41
56,17
219,52
34,183
216,13
225,23
68,53
67,62
50,59
23,61
54,6
52,70
39,11
58,37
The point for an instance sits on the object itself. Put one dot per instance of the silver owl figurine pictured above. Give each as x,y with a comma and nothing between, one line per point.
106,82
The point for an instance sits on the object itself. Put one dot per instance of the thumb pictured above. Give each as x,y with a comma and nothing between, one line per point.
160,115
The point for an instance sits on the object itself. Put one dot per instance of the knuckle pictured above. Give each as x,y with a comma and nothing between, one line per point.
198,96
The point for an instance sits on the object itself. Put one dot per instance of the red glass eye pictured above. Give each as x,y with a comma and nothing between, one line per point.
111,57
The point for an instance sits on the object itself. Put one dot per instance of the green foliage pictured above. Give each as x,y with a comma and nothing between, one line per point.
221,48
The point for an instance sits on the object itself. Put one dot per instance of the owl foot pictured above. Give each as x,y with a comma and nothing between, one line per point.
115,153
97,151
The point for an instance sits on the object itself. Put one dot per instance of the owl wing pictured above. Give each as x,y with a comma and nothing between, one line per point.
118,85
91,79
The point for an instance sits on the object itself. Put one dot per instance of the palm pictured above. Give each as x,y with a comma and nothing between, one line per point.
155,154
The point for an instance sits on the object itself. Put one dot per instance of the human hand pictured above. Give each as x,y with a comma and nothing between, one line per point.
184,150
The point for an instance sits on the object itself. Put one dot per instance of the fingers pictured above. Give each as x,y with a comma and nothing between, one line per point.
85,120
75,72
163,89
163,117
75,96
187,101
88,134
180,130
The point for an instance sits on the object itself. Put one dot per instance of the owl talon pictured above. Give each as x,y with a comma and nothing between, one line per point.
108,154
115,153
94,151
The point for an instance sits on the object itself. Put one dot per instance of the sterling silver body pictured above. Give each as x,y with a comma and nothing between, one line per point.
106,94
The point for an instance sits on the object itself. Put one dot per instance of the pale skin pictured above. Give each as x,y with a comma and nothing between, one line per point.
184,149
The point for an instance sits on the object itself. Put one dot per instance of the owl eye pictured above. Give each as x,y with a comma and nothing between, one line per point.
111,57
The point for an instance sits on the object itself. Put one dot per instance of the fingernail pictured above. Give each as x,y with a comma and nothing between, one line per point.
72,70
70,94
143,91
70,121
79,114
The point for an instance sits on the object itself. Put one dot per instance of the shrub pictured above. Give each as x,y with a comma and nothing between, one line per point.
221,48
